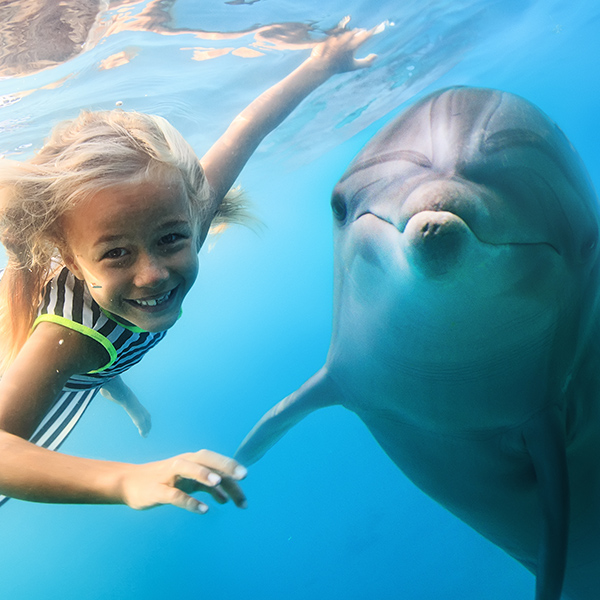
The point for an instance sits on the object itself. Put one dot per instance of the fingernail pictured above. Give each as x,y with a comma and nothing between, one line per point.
380,27
201,508
240,472
243,504
214,479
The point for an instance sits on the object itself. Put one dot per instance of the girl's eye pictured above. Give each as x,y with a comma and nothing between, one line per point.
115,253
170,238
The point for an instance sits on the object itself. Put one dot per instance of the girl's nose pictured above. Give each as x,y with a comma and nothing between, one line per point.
150,272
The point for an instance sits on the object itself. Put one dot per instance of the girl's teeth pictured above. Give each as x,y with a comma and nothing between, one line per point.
154,301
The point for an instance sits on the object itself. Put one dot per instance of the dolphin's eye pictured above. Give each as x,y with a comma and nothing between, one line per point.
338,206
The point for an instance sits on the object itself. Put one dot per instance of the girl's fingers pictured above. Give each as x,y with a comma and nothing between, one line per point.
342,24
362,63
211,472
380,28
234,491
188,469
218,493
361,35
217,462
357,37
181,500
365,34
227,489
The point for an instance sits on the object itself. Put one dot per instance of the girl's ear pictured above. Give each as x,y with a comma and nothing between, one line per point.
71,263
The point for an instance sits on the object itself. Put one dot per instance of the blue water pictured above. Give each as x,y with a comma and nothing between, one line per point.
329,517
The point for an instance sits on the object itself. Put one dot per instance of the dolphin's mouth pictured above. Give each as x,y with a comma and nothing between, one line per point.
368,212
481,237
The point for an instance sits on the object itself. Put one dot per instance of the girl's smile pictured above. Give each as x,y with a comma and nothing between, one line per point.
156,302
135,247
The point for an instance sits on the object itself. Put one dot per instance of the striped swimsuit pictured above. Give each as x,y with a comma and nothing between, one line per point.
68,302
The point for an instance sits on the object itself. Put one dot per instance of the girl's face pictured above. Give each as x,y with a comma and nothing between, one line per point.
135,246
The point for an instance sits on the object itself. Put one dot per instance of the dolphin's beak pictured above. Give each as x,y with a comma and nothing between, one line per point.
436,242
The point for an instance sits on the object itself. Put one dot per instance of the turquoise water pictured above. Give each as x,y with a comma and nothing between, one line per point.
329,517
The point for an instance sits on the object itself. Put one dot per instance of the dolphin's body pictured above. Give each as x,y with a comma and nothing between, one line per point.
466,331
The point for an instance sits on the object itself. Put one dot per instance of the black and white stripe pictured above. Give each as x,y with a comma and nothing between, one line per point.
68,297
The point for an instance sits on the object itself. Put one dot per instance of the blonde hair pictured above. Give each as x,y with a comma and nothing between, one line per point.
97,150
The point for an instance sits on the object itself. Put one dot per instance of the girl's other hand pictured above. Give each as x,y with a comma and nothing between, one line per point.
171,481
336,53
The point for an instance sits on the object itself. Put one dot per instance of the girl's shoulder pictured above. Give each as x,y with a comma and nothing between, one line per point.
67,297
67,301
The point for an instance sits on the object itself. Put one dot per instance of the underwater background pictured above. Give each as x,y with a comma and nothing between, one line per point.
329,517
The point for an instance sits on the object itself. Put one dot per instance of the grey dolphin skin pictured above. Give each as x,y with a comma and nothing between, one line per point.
466,326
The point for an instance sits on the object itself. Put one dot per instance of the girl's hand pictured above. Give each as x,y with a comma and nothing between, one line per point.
171,481
224,161
336,53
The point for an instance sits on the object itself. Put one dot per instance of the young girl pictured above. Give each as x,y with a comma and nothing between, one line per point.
102,229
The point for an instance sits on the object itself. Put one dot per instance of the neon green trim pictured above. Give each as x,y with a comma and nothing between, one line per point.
98,337
133,328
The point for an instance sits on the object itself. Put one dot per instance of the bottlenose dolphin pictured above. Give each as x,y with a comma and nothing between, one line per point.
465,331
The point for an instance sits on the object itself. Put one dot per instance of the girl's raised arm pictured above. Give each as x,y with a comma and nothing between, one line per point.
224,161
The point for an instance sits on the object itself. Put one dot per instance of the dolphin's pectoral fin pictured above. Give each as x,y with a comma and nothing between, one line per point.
545,441
319,391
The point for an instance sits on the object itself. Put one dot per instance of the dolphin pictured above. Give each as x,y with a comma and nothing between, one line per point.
465,329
